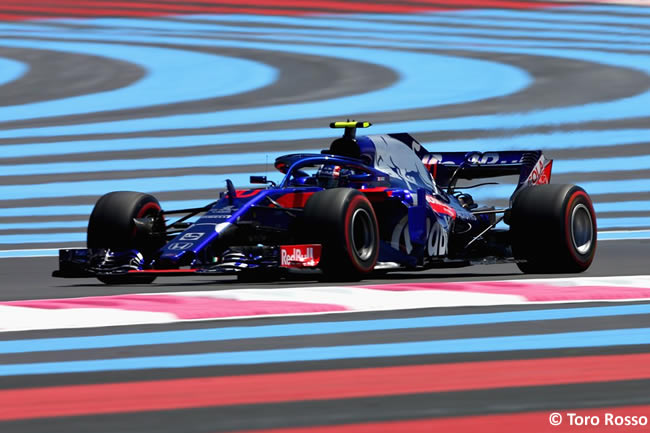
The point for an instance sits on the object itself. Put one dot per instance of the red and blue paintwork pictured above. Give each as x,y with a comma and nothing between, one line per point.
423,220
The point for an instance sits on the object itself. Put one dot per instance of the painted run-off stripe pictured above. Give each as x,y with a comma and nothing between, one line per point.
203,181
44,225
85,210
515,39
11,70
182,307
609,2
619,235
284,7
530,291
520,19
79,312
633,185
252,302
630,107
319,328
32,252
108,165
412,91
548,141
555,140
618,281
587,165
20,11
357,29
603,27
140,309
530,422
571,17
607,338
184,75
480,17
44,238
206,305
601,109
315,385
588,54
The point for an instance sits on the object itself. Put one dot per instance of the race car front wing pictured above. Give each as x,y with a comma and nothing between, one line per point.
93,262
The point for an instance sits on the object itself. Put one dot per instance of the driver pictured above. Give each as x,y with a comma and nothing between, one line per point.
331,175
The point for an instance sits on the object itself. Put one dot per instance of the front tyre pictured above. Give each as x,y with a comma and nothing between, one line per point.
553,229
111,226
344,222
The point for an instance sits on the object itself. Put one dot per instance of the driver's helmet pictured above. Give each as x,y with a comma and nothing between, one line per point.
329,175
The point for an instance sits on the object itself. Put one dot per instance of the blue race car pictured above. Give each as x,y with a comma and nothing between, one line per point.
367,203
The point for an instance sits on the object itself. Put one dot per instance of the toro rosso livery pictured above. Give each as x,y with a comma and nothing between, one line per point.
367,203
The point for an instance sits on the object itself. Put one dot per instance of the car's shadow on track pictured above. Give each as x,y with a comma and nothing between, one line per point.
230,282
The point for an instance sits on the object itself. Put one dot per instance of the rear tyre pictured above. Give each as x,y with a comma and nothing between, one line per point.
111,226
343,221
553,229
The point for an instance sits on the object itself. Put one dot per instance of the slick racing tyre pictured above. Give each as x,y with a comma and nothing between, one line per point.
343,221
553,229
111,226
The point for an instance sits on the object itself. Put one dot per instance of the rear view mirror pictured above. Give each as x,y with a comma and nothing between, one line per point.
261,179
258,179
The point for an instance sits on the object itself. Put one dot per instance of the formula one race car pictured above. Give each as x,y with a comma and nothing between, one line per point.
365,204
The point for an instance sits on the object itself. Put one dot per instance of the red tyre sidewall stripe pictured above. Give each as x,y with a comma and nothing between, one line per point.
142,212
348,221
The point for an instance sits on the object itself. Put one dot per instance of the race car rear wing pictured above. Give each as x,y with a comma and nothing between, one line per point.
447,167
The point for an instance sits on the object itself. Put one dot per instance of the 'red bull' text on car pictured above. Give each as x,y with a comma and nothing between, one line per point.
377,202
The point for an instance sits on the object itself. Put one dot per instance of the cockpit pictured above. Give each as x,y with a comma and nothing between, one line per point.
360,162
327,172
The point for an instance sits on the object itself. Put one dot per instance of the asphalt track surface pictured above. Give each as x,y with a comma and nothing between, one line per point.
125,97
